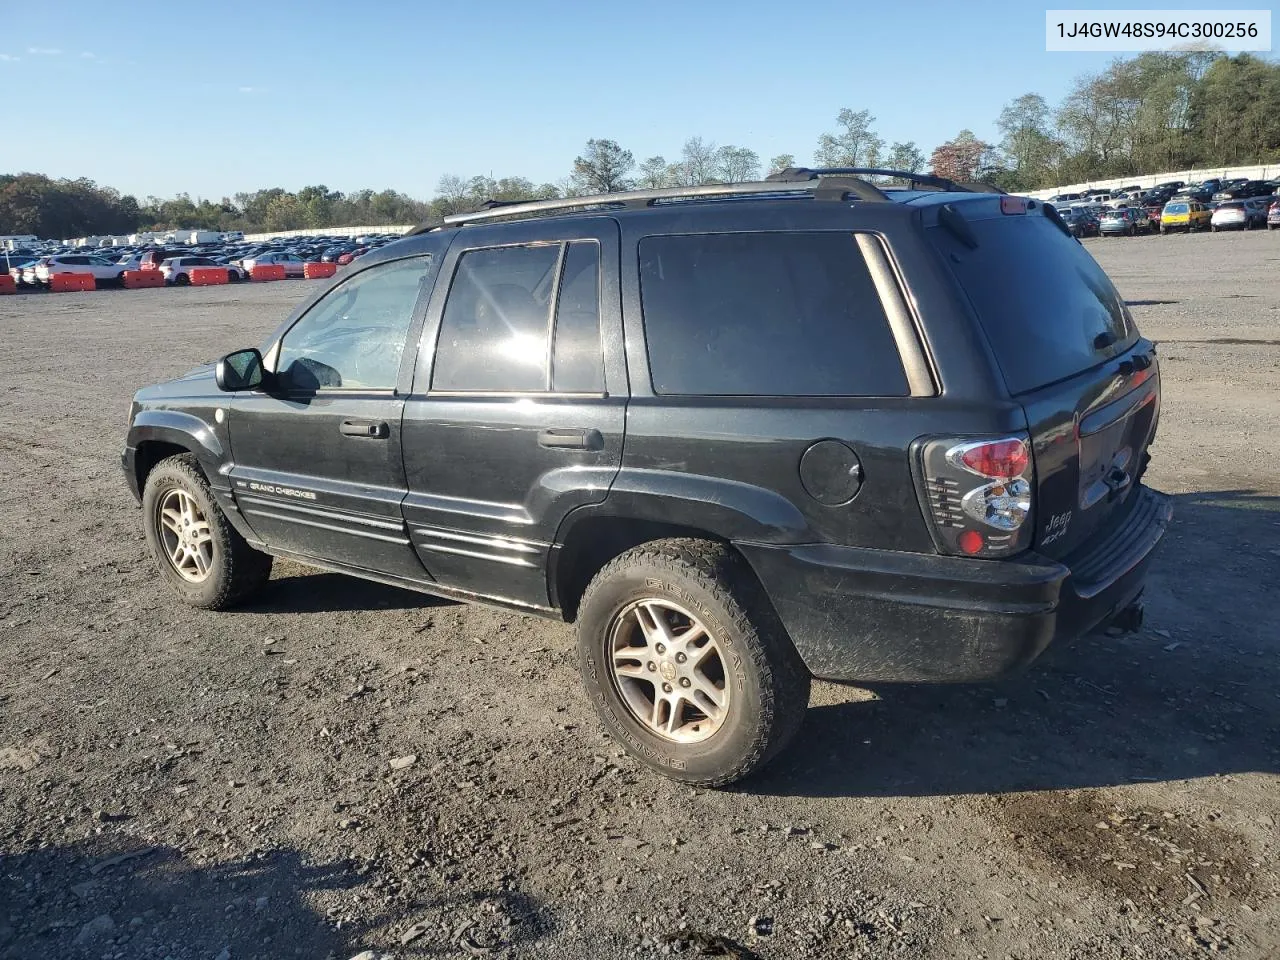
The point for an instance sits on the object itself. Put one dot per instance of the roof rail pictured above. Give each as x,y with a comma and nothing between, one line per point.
835,188
802,174
823,183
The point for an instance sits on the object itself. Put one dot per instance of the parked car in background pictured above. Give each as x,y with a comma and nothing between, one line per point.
1185,215
1126,221
29,271
153,257
1081,221
1239,214
1242,190
293,264
1173,186
1273,215
16,266
1155,212
99,268
177,270
350,255
129,261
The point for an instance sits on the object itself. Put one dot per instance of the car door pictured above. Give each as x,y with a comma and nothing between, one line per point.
317,465
518,404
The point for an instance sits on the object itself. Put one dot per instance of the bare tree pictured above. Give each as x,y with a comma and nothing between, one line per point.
737,164
698,160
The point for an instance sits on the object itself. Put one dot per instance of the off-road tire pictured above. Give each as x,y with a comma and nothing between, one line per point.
237,570
771,684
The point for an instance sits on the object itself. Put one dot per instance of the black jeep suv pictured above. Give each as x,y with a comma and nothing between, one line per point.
744,435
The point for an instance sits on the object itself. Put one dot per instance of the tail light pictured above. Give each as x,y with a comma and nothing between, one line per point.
978,494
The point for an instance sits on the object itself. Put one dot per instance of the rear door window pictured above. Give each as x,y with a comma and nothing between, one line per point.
1048,309
765,314
493,335
499,333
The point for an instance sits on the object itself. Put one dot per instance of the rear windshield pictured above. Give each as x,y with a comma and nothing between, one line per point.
1048,309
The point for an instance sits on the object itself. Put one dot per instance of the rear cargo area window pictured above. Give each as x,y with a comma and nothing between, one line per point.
1048,309
765,314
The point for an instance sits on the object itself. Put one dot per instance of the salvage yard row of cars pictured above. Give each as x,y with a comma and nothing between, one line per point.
1214,205
32,268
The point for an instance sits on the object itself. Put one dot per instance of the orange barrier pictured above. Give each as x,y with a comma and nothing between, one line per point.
8,284
208,276
268,271
134,279
62,282
318,271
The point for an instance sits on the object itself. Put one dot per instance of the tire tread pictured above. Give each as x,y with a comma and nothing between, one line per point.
726,576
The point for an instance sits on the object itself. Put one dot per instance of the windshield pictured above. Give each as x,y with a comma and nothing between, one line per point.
1048,309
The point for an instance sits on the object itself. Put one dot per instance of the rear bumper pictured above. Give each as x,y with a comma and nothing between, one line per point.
881,616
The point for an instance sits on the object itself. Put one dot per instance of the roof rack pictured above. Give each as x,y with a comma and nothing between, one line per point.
830,183
805,174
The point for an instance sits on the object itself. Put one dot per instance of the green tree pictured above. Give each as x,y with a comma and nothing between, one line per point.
603,167
655,174
853,144
906,157
782,161
1029,147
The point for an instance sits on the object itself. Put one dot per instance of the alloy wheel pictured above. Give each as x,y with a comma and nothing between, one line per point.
669,670
185,535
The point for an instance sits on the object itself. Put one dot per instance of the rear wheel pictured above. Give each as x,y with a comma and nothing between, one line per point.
686,663
233,277
200,555
182,280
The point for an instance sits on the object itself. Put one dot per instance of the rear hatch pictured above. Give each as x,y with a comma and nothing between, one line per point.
1071,355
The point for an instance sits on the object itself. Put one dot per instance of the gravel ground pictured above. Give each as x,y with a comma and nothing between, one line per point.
346,767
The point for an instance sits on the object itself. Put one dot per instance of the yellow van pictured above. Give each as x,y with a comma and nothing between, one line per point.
1184,215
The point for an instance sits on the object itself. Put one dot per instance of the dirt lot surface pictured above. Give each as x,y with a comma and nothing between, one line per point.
182,784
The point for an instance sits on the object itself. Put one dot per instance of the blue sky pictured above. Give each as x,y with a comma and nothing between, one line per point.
159,98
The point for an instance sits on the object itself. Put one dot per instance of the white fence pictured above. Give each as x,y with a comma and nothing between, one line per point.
330,232
1187,176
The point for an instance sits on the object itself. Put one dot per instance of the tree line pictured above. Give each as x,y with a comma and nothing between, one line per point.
1151,113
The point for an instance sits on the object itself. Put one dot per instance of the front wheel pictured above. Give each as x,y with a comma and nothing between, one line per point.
201,556
687,664
233,277
182,280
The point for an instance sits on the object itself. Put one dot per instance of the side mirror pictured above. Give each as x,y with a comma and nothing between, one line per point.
241,370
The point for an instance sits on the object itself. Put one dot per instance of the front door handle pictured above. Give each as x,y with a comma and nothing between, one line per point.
368,429
571,439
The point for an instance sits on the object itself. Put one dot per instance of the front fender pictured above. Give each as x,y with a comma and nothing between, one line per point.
182,429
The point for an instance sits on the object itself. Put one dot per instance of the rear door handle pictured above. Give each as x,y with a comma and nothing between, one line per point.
368,429
571,439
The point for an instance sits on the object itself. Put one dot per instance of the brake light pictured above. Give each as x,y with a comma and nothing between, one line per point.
1013,205
978,493
998,458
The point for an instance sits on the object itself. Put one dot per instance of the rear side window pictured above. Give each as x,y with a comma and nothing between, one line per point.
1048,309
765,314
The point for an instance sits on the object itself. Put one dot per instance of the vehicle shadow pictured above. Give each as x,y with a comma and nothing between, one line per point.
309,591
85,898
1191,695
